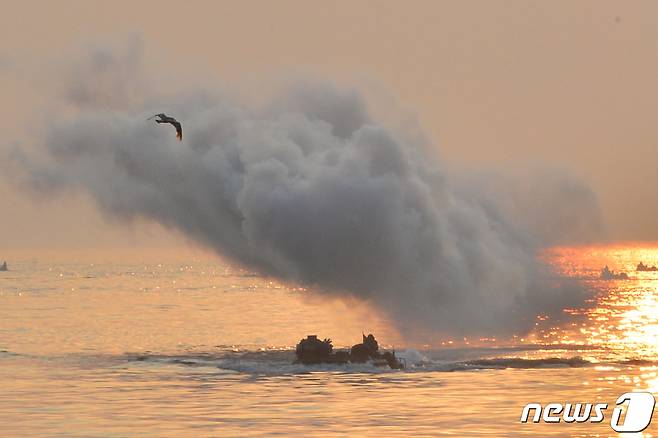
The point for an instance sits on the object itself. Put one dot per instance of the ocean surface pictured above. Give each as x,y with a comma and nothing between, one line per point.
166,343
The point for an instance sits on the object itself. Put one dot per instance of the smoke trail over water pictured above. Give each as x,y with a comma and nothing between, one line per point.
312,189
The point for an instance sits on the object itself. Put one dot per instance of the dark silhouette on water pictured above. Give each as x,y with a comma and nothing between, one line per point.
366,350
311,351
607,274
641,267
163,118
3,267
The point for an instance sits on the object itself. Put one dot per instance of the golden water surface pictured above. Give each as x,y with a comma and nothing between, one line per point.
182,344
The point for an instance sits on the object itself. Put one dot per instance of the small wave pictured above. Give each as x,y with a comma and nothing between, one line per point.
282,362
638,362
411,357
6,353
517,362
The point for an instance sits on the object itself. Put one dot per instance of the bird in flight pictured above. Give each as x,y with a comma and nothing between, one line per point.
163,118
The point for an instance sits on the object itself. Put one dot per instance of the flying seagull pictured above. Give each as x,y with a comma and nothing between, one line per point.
163,118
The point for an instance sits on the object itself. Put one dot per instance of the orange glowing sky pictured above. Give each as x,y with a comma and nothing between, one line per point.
492,83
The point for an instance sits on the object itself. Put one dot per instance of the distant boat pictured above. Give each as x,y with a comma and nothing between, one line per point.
641,267
607,274
4,267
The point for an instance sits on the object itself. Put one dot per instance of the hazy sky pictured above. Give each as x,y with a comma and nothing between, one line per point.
493,83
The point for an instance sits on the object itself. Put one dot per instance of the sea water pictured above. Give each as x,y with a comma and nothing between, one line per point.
181,343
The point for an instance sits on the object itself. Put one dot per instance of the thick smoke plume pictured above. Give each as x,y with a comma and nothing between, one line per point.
310,188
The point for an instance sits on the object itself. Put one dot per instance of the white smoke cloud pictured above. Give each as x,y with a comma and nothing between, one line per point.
311,189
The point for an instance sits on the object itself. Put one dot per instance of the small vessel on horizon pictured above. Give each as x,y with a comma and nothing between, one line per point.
3,267
641,267
607,274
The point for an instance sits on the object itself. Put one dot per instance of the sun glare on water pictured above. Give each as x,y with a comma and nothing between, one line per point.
621,317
